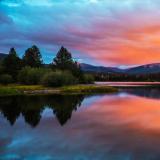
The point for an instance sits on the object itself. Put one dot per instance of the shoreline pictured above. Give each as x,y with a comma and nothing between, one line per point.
18,90
96,88
129,84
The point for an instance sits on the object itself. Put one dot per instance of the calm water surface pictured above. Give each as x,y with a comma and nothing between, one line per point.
121,126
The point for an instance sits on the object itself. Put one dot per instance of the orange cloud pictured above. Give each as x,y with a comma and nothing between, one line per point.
127,39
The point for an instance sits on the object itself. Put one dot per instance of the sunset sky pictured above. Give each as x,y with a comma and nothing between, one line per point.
99,32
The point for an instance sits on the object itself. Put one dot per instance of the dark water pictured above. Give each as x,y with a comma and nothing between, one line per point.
121,126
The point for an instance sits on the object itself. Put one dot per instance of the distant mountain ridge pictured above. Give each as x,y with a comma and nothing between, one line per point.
91,68
143,69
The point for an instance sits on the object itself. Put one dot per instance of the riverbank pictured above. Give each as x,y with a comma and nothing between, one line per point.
13,90
128,84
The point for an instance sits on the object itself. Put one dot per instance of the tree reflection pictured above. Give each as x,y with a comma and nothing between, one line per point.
64,105
31,107
10,109
144,91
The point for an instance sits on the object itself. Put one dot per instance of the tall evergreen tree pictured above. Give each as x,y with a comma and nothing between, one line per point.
64,61
32,57
12,63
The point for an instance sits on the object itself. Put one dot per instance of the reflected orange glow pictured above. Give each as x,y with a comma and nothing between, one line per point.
136,112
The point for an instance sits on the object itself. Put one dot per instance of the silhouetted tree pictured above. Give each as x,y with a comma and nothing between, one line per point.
32,57
64,61
12,63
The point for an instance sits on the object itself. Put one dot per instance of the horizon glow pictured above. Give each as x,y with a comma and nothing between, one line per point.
100,32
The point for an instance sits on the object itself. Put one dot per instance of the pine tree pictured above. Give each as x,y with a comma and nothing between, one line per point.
12,63
32,57
64,61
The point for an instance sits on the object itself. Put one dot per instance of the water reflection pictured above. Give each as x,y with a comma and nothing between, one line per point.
119,126
150,92
31,107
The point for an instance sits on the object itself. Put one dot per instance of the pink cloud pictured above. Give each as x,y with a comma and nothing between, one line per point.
129,38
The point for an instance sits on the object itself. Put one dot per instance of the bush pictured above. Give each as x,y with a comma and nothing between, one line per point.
58,78
31,76
87,79
6,79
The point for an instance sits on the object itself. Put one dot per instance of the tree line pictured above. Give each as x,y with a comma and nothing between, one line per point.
30,69
126,77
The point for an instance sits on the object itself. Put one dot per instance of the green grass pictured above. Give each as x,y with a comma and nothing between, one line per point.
4,91
89,89
27,87
11,90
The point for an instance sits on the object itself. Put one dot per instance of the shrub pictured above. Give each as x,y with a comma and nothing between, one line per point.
6,79
22,76
68,78
31,76
87,79
58,78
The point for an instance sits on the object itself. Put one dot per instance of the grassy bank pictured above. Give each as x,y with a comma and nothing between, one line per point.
88,89
12,90
6,91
